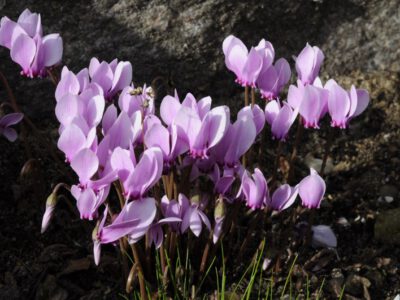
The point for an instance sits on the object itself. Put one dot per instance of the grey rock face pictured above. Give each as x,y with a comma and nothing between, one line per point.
387,227
177,43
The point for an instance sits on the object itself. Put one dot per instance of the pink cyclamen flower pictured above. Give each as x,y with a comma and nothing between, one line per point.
246,65
323,237
272,80
312,189
169,142
267,52
256,114
134,221
175,209
6,121
194,218
202,133
156,234
343,105
112,77
311,102
229,150
170,106
89,193
138,178
254,189
283,197
280,118
308,64
134,99
28,48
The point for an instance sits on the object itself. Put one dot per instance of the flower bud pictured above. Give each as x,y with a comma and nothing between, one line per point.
219,211
50,205
195,199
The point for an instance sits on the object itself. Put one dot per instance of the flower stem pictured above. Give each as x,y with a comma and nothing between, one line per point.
253,97
246,95
327,150
204,257
34,129
136,258
276,165
299,135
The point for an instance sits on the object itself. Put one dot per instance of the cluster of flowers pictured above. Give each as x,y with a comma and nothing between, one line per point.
28,47
101,141
111,136
310,98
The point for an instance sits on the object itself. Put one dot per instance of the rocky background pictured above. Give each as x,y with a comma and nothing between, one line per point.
177,44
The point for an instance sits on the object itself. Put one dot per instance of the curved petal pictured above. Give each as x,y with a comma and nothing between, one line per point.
122,76
252,68
85,164
86,204
272,110
11,119
52,48
10,134
235,54
245,132
23,50
69,84
338,105
204,106
169,109
7,29
67,108
281,125
312,189
362,101
323,236
158,136
109,118
71,141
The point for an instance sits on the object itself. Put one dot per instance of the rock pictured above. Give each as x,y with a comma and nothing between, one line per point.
316,163
49,289
179,41
389,191
387,226
357,285
335,284
376,278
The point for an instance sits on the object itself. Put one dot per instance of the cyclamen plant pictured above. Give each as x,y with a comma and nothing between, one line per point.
189,167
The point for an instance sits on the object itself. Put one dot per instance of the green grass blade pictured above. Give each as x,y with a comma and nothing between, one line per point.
255,270
206,274
216,273
176,296
223,273
342,292
288,277
320,289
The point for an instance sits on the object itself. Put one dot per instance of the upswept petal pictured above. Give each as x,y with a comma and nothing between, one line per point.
85,164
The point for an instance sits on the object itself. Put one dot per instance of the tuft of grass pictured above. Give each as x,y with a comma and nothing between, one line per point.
255,270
